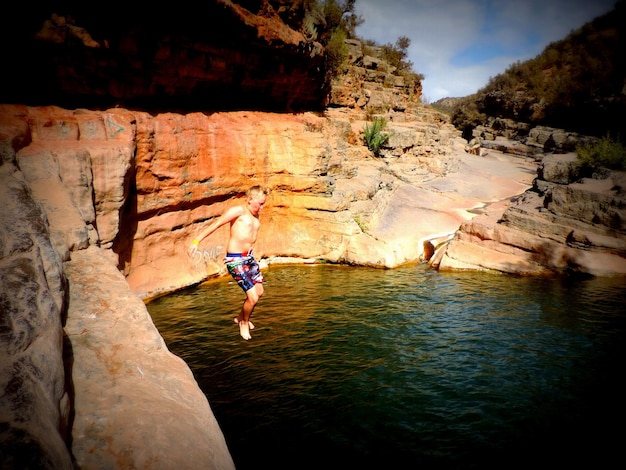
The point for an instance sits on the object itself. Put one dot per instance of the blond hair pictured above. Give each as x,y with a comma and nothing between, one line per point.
257,190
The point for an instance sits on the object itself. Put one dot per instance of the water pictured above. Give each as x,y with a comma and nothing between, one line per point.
352,367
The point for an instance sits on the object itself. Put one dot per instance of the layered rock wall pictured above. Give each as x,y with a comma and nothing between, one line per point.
330,199
520,137
561,226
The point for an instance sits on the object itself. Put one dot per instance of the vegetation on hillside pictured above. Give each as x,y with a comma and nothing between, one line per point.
576,84
396,55
593,158
331,22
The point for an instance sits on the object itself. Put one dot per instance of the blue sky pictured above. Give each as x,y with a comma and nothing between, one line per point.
459,44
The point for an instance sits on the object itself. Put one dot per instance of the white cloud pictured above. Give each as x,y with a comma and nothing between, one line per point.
459,44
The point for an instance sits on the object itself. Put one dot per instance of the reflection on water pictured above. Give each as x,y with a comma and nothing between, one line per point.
408,368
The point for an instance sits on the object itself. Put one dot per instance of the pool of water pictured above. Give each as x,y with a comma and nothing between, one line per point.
353,367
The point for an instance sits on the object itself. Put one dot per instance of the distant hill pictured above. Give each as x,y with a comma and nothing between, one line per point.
447,105
578,84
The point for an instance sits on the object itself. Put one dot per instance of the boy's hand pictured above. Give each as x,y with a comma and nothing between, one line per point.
193,248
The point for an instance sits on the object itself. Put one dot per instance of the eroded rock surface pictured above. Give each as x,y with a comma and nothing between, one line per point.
145,410
86,379
34,401
559,226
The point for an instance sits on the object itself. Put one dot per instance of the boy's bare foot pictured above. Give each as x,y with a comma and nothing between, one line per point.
244,330
236,320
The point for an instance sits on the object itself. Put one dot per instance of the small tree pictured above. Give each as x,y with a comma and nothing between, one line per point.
331,22
396,54
374,136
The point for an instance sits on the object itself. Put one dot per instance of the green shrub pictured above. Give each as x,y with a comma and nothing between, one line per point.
396,54
604,154
374,136
336,52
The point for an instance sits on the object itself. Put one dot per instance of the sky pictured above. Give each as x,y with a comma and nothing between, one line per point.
458,45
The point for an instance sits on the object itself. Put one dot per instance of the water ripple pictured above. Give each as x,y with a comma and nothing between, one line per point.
385,368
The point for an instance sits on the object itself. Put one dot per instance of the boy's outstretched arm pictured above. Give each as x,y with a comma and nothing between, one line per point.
227,217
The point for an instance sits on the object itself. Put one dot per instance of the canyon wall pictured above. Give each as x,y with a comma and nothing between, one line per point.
99,208
143,186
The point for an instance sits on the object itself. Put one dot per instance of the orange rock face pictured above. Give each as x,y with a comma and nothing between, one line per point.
190,168
144,186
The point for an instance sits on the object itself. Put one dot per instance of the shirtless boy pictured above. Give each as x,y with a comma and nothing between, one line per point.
244,227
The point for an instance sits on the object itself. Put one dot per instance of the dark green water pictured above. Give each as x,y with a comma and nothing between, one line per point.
352,367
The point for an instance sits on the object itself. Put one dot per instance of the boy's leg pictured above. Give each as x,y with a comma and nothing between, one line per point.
252,297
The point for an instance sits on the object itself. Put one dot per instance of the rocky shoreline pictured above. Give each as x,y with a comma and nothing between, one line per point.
134,403
560,226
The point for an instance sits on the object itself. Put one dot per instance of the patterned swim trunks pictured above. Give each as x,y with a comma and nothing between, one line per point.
244,269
